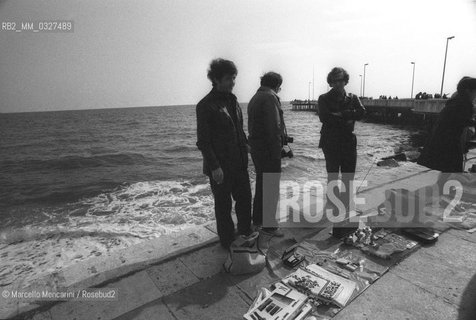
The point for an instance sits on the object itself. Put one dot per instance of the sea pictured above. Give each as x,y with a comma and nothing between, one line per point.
79,184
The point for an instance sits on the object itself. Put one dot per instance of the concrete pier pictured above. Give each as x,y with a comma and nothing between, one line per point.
390,110
428,106
304,105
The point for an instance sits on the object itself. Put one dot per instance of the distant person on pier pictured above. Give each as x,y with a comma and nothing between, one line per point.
267,135
338,112
445,148
418,96
223,143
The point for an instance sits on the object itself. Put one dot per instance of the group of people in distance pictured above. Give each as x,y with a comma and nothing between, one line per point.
425,96
225,146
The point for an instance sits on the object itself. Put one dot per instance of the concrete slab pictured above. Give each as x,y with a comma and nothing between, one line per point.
463,234
428,273
95,271
392,298
10,308
42,316
213,298
251,283
171,276
212,226
153,310
452,252
132,291
206,262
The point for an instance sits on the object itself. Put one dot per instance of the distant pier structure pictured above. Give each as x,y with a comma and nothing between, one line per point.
414,111
387,110
304,105
390,109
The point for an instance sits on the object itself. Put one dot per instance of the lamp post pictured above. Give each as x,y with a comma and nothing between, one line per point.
309,91
413,79
360,85
363,88
444,64
312,82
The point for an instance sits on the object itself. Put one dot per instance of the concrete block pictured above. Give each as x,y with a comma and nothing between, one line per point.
453,252
213,298
97,270
132,291
153,310
42,316
463,234
206,262
171,276
427,272
392,298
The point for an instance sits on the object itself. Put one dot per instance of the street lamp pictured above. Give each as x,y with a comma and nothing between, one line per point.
444,64
413,79
360,85
363,88
309,91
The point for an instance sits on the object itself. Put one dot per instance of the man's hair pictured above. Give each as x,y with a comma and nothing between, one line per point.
271,80
219,68
466,83
335,72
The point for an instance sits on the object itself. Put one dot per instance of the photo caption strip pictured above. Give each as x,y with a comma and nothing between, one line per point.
39,26
62,294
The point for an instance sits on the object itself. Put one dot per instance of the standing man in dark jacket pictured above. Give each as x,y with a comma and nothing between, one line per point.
338,112
223,143
444,149
266,136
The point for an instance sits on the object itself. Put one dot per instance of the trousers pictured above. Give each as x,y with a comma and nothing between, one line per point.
268,174
343,160
236,185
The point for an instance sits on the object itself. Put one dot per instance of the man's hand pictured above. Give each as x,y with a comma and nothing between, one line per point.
217,175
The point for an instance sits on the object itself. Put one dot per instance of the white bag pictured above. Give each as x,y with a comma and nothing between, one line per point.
244,256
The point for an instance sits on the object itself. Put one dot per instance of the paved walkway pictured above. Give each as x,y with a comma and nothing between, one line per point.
432,283
435,282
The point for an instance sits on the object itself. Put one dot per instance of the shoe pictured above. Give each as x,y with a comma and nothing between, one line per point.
247,233
275,232
255,227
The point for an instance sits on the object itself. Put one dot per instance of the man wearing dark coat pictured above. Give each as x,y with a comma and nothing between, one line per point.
266,137
223,143
444,149
338,112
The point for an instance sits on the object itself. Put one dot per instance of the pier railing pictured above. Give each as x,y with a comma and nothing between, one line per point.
304,105
428,106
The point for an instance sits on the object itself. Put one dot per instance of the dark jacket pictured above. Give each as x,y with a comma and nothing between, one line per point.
220,135
266,123
337,131
444,150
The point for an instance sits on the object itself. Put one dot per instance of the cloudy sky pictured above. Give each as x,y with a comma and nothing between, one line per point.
126,53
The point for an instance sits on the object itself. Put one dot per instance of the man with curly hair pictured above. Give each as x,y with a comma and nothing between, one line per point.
224,146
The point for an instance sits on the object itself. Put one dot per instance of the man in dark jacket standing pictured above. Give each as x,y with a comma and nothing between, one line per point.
266,136
223,143
338,112
444,149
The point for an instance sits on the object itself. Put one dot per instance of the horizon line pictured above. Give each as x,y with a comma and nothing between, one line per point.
89,109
